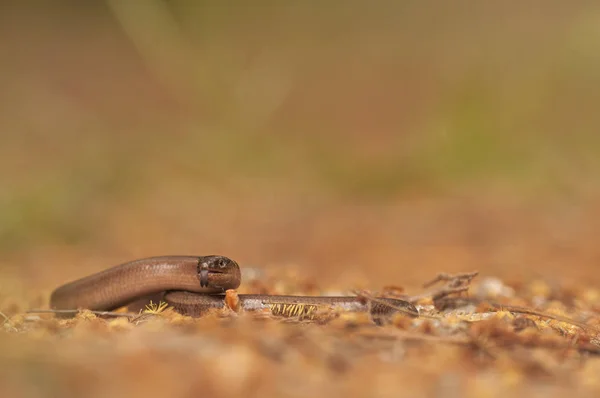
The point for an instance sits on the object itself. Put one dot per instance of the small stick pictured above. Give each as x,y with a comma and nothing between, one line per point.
455,284
99,313
369,296
529,311
454,280
438,294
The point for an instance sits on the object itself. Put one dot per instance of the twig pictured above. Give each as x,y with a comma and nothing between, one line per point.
454,280
529,311
74,312
438,294
455,284
370,297
447,291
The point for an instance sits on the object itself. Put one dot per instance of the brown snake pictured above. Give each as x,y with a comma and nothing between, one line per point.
193,285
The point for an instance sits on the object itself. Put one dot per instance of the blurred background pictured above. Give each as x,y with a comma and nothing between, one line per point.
364,144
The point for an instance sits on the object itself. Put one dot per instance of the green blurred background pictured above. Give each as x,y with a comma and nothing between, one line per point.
369,143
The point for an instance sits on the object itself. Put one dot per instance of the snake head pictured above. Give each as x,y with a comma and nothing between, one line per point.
212,269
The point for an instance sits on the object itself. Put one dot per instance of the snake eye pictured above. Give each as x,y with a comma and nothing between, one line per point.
222,263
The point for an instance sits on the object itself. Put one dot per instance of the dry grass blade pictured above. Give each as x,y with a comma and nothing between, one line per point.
153,308
5,317
7,323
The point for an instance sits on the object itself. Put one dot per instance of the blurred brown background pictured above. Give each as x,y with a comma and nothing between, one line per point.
366,143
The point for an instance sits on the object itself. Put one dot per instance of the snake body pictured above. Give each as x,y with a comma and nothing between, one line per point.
193,285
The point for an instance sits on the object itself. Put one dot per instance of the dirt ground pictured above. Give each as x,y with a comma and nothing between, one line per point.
459,354
369,153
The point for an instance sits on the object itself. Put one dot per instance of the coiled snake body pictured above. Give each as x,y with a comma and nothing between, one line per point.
193,285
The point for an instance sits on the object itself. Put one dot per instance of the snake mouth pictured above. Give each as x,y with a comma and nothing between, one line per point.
204,272
203,278
216,271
